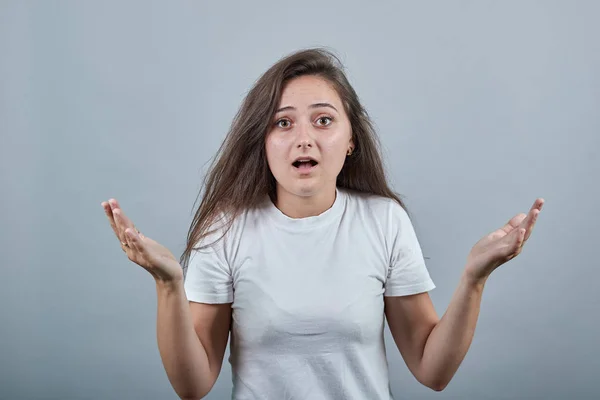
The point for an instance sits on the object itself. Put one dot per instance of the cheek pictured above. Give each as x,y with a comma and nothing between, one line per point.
275,150
335,152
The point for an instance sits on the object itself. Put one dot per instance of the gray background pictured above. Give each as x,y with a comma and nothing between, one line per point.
481,106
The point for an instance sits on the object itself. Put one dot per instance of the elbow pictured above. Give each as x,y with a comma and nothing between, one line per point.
434,383
197,396
438,387
200,397
195,393
192,397
437,384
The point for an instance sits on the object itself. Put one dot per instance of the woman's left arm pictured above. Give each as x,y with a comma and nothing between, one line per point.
433,348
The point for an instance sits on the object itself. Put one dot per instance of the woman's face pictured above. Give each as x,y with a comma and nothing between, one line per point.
309,138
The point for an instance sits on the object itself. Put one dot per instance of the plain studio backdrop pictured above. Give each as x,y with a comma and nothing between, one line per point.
481,107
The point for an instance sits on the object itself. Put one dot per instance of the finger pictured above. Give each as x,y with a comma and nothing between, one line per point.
128,230
133,239
538,204
111,211
128,238
111,218
534,212
122,222
536,207
119,222
519,241
121,225
114,204
530,222
514,222
524,220
513,243
135,245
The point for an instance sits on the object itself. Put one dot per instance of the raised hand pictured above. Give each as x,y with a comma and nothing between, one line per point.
140,249
503,244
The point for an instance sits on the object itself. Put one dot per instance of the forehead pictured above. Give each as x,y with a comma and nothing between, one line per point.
307,90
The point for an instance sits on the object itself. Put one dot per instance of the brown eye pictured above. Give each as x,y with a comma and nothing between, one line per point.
283,123
324,121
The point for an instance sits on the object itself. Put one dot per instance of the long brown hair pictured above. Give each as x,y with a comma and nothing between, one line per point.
239,177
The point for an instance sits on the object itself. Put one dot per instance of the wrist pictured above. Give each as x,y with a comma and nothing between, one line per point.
169,284
472,280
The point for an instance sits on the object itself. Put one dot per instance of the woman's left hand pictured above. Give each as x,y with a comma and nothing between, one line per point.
501,245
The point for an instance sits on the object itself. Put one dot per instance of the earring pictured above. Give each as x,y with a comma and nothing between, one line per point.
349,151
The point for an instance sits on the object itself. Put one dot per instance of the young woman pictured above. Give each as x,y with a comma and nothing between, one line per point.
299,249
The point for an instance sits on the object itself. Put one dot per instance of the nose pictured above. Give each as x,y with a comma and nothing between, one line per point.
304,144
304,139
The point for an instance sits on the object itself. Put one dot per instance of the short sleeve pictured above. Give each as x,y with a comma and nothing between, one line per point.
208,278
407,272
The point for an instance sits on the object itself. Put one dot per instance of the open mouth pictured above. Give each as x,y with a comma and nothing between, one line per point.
304,163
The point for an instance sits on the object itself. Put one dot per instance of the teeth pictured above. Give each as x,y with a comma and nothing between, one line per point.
302,161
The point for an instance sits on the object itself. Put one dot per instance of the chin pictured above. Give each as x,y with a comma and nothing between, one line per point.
304,188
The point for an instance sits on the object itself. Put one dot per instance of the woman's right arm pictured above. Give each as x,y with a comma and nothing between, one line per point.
192,338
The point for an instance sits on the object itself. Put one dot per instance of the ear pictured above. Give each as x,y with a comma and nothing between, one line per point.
350,147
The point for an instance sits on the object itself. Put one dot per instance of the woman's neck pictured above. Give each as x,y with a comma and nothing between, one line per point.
295,206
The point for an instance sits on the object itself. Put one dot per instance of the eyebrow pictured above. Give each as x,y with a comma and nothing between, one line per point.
316,105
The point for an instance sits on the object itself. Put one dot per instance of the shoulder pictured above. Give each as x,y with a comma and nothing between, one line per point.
223,227
375,206
378,214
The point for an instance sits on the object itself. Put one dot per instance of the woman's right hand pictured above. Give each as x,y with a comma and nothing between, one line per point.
140,249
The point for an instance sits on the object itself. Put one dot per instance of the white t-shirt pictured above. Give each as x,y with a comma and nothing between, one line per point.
307,296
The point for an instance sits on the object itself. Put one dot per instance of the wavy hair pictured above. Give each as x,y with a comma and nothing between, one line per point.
239,177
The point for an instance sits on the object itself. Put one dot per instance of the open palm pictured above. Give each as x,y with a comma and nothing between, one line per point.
140,249
503,244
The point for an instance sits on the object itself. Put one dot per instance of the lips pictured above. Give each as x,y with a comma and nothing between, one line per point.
304,164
